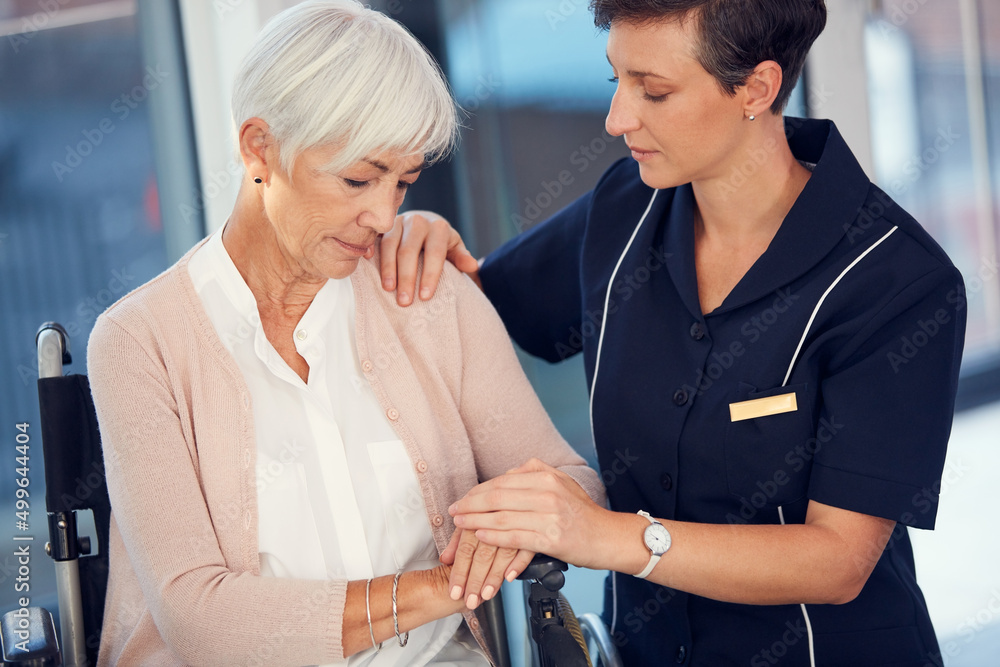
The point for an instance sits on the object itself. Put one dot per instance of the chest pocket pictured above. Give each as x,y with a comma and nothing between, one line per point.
764,450
406,526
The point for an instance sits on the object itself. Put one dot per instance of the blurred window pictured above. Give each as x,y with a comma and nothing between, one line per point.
80,215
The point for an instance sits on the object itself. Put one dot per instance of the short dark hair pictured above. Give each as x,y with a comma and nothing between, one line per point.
735,35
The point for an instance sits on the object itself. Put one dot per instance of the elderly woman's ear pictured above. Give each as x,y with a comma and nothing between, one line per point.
256,149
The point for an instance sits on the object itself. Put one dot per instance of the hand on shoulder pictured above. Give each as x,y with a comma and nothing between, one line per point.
427,233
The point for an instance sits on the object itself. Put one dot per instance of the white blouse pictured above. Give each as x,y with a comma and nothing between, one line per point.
337,494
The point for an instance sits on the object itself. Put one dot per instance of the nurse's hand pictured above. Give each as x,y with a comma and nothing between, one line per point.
479,569
415,232
537,508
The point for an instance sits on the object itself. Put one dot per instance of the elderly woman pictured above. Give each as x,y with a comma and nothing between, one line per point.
757,299
282,440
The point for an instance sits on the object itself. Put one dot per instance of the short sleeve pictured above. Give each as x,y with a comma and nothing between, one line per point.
887,406
533,281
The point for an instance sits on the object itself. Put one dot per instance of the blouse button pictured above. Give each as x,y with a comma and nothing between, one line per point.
697,331
680,397
421,466
301,334
392,414
367,366
438,520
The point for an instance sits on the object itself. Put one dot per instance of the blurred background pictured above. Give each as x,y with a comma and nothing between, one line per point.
116,157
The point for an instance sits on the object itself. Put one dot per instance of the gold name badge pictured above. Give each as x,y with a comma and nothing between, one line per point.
762,407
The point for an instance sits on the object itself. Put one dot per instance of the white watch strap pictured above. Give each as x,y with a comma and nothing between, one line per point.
653,558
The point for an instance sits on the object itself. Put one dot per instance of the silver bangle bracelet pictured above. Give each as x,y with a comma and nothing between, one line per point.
368,606
395,614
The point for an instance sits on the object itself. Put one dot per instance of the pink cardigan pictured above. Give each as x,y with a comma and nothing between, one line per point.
177,427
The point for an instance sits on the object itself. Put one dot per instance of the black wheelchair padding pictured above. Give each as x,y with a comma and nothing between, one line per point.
75,480
74,466
551,622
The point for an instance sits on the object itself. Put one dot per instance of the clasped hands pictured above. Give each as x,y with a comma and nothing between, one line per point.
501,524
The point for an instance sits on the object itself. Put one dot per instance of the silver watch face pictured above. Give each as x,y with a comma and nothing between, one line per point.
657,538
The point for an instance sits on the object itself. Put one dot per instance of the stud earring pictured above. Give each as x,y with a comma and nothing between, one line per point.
258,180
752,117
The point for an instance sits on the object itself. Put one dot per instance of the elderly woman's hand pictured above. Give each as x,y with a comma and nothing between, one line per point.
478,569
415,232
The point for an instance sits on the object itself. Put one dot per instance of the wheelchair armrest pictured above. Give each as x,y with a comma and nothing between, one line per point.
599,639
28,638
547,571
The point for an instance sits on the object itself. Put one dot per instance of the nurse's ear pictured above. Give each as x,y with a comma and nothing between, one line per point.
761,89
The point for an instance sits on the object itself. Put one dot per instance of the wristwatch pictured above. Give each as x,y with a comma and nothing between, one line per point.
657,539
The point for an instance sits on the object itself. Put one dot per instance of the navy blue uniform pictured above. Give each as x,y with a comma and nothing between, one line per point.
853,308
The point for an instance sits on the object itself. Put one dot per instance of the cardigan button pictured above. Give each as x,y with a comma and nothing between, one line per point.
421,466
681,397
246,458
437,520
474,623
367,366
392,414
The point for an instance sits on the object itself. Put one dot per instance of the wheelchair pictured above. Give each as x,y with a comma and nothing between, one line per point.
75,481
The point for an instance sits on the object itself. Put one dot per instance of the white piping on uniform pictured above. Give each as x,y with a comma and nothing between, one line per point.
597,365
805,614
795,357
829,289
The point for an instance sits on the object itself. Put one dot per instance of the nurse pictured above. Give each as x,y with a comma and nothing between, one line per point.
772,347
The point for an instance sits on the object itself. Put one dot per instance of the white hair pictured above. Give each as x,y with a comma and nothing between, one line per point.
334,73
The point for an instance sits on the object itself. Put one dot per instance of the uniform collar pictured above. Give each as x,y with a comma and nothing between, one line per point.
817,222
680,243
